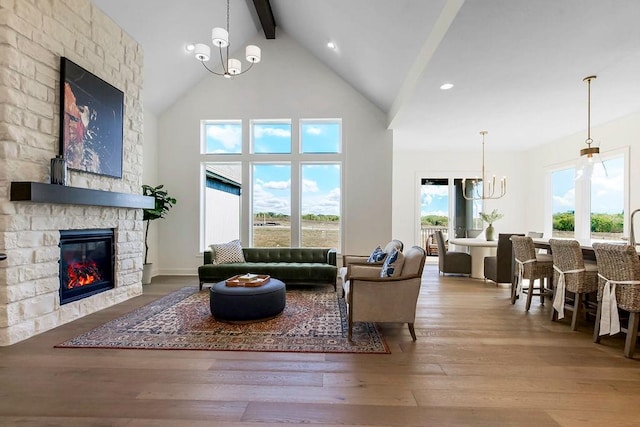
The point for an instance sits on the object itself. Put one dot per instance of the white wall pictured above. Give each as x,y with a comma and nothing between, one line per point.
410,166
288,83
524,204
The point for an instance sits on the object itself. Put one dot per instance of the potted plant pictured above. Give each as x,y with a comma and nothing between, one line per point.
163,202
490,218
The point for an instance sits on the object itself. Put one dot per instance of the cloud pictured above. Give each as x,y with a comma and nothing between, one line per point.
262,130
313,130
564,202
276,185
310,186
229,136
265,201
325,203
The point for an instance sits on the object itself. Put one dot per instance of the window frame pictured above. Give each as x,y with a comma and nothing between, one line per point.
582,228
247,158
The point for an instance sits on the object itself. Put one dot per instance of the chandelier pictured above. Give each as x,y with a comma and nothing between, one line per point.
220,39
488,188
589,151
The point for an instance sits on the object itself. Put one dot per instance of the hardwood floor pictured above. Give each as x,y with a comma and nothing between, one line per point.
478,361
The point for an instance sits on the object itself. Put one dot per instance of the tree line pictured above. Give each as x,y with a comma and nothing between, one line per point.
562,221
306,217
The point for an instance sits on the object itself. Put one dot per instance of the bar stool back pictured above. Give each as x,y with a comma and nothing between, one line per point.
531,266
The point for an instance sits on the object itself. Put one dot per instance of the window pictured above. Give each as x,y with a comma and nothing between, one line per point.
607,199
266,189
320,136
222,137
271,205
271,137
320,205
563,202
222,202
589,200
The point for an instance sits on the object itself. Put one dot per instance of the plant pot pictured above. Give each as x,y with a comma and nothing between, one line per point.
490,233
146,273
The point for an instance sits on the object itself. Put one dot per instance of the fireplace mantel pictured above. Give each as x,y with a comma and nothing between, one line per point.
38,192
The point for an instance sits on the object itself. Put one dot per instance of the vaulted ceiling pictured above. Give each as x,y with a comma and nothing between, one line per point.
517,65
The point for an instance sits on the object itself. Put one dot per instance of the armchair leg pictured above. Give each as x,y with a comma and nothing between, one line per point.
412,331
350,325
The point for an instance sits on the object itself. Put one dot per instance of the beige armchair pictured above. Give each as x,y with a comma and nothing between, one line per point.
362,259
372,298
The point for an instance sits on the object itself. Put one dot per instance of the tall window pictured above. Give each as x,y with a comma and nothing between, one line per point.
320,203
563,202
607,199
268,189
271,205
223,188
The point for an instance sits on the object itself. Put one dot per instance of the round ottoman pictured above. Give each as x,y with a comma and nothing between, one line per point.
241,303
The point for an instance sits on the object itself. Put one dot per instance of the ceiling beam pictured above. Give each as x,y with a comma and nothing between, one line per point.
263,8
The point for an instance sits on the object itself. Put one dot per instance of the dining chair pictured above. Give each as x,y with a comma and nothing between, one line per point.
451,261
618,287
571,273
533,267
500,268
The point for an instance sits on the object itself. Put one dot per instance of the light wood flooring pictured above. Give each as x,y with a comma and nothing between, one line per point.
478,361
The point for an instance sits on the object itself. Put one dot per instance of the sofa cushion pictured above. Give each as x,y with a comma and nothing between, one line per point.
392,264
377,255
225,253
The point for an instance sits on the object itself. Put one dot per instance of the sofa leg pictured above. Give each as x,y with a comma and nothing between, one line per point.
201,283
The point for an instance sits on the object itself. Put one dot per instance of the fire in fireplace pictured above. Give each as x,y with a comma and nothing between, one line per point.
86,263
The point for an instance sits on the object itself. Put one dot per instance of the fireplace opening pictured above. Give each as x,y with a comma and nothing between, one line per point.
86,263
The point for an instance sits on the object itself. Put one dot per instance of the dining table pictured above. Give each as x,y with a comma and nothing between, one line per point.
478,249
585,244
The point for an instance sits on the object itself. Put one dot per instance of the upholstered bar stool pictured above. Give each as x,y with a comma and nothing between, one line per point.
618,287
571,273
531,266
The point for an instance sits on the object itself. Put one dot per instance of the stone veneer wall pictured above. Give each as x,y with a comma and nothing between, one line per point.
34,34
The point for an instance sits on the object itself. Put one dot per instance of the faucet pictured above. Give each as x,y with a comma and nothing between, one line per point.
632,237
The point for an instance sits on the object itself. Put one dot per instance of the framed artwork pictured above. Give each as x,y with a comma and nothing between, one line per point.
91,121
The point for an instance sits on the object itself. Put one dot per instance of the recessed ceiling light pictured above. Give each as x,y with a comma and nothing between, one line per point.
190,47
446,86
331,45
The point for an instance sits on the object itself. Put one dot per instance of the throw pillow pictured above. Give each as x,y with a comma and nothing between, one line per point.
392,264
226,253
377,255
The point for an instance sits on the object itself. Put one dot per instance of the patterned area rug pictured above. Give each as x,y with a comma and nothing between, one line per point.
311,322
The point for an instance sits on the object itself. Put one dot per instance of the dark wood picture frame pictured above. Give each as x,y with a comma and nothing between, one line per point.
91,121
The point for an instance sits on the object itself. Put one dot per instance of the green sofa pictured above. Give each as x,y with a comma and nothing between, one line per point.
295,266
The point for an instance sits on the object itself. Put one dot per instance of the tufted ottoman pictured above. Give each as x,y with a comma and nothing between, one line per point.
240,303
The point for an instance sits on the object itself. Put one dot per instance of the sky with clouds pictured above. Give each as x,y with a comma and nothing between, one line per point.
607,189
320,185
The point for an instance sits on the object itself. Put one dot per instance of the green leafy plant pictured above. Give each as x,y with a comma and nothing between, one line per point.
163,203
491,217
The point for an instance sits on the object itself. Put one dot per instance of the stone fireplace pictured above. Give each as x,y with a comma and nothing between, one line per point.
34,38
86,263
